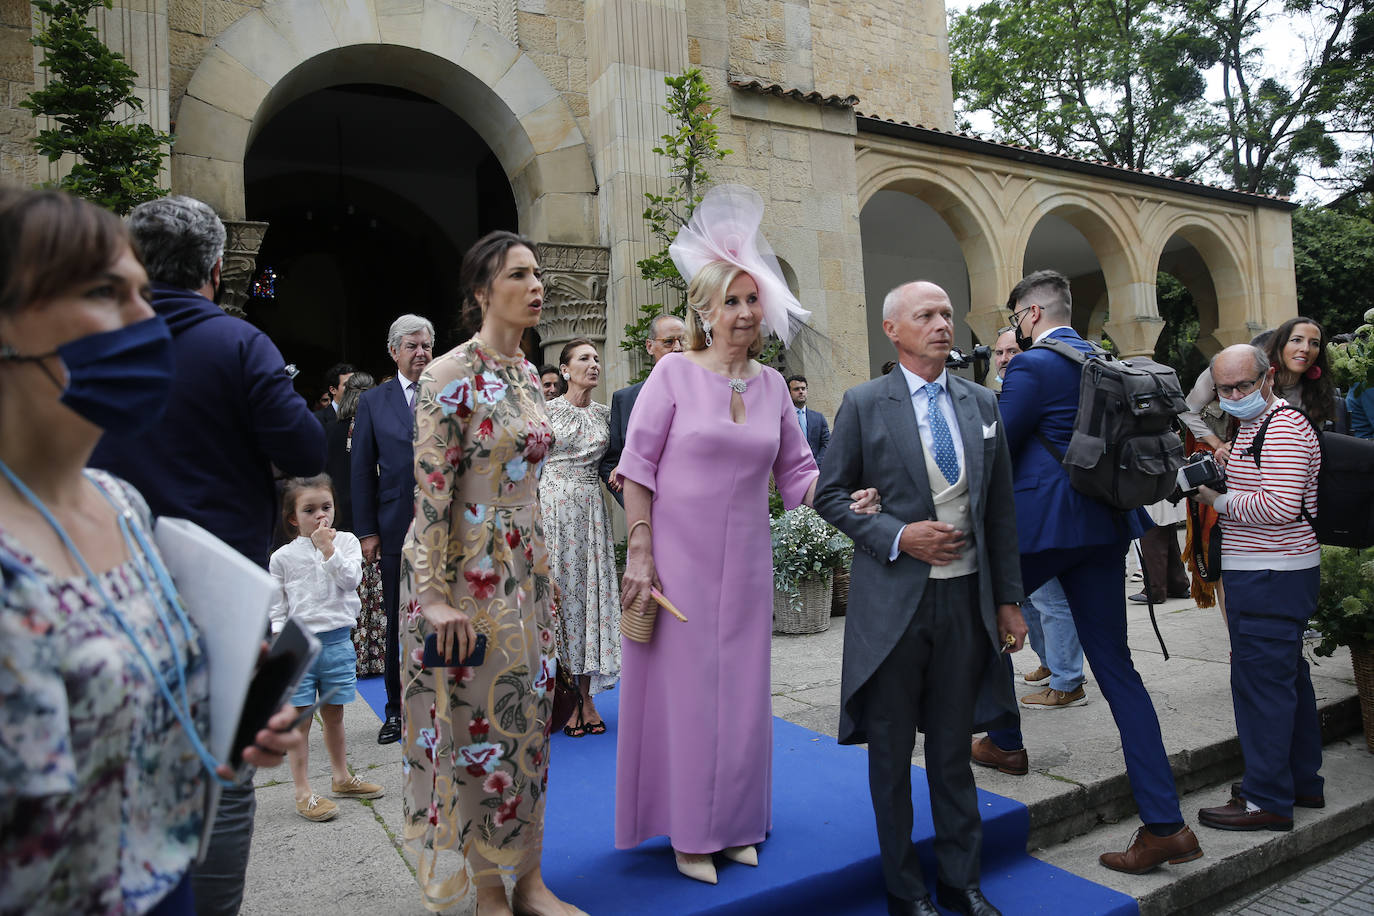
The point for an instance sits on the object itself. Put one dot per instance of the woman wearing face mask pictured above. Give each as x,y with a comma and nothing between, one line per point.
103,686
578,533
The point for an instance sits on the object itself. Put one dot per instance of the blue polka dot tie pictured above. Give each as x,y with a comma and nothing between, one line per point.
946,459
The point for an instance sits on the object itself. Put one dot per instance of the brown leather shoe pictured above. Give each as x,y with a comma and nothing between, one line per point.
987,754
1147,852
1302,801
1234,816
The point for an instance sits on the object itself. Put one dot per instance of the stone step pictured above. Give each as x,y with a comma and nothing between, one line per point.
1234,864
1106,799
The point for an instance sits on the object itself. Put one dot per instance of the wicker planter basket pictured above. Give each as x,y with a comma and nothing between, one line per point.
814,615
1362,660
839,593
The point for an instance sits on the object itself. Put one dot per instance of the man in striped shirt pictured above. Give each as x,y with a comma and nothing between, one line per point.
1270,567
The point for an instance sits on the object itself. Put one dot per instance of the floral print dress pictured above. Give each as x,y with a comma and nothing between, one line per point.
579,539
101,794
475,740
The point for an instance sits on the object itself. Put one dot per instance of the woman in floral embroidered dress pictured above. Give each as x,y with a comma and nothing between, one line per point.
476,739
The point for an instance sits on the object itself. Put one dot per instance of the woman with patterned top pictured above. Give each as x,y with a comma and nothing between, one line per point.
578,533
103,682
476,738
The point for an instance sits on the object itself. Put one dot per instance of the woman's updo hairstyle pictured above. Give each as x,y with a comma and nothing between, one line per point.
566,353
480,266
50,240
706,290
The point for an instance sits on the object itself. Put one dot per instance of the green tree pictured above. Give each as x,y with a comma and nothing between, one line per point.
690,148
1123,81
1177,343
1333,260
90,95
1270,128
1116,80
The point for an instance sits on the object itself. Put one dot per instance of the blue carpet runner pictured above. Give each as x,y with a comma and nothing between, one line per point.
821,857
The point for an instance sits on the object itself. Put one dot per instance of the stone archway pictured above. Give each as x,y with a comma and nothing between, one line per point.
969,215
289,48
1217,243
1133,321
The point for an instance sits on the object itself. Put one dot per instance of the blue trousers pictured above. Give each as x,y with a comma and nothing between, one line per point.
1271,684
1093,579
1053,636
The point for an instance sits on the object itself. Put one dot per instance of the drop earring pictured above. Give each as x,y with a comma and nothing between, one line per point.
566,377
706,330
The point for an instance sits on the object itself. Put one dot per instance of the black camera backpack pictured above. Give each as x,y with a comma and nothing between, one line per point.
1125,450
1345,485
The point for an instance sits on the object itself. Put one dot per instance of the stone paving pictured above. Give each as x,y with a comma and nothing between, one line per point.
1344,886
352,864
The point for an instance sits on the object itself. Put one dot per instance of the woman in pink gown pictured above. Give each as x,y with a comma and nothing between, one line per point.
694,758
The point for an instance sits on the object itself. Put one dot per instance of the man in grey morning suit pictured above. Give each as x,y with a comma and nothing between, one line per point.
934,592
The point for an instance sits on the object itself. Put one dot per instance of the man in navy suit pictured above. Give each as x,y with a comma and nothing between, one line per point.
384,484
812,423
665,336
334,381
1082,542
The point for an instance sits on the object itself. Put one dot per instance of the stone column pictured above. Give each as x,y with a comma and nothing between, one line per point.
631,46
575,283
241,245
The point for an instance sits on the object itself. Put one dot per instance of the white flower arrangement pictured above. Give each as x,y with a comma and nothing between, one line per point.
806,547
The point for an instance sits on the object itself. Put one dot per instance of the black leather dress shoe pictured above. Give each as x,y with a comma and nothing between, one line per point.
969,901
390,731
921,906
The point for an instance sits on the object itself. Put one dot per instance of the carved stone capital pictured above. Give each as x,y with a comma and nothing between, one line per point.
575,282
241,245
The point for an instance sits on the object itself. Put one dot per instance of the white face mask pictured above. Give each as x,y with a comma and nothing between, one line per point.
1248,407
999,378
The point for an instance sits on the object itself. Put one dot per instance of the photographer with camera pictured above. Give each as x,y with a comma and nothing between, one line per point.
1270,567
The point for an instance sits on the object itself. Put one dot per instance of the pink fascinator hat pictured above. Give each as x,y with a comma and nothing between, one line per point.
725,227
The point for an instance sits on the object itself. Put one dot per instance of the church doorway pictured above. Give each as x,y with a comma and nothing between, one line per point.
372,193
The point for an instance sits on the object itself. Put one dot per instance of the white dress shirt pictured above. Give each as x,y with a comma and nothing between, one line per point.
321,594
920,402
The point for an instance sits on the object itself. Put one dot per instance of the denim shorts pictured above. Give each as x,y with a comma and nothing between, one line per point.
337,666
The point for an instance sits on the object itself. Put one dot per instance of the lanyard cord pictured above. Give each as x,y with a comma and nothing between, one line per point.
182,713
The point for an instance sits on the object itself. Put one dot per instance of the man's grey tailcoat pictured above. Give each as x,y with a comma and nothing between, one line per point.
875,443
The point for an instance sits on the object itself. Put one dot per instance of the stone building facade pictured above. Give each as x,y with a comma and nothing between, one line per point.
817,95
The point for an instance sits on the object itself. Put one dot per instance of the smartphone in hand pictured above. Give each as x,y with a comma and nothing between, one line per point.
292,654
432,658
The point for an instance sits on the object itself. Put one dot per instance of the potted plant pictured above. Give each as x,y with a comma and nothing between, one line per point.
1345,617
843,549
805,555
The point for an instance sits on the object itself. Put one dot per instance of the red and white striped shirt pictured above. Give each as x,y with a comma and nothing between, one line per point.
1262,525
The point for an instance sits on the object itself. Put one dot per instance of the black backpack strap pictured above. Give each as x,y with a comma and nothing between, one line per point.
1078,358
1257,446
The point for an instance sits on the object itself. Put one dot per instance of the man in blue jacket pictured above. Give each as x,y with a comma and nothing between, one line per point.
383,470
233,414
1082,542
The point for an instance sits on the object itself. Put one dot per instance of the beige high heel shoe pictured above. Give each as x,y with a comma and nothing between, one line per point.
744,855
697,866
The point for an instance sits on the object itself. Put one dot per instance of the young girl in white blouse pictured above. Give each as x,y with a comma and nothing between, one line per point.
319,572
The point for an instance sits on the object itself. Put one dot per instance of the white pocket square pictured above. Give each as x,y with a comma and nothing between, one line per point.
990,431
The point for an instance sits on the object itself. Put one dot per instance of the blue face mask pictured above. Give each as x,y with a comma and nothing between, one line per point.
1248,407
119,380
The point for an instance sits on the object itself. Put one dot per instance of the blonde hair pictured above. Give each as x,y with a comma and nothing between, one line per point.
707,291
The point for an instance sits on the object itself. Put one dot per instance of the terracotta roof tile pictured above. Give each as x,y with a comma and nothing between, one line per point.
782,92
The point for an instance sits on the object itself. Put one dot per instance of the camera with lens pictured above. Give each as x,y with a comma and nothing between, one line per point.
957,359
1201,470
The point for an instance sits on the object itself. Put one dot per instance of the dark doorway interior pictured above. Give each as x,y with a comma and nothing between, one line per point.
372,194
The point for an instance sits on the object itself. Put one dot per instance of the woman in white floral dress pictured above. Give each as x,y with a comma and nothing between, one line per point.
578,533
